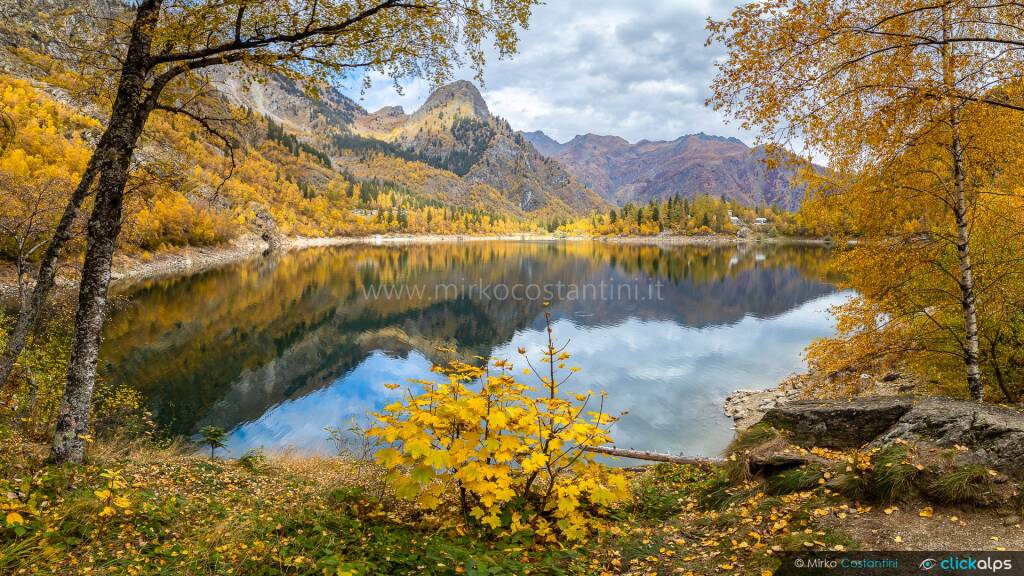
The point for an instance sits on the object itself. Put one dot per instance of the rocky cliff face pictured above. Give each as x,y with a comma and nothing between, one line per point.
689,166
281,100
455,130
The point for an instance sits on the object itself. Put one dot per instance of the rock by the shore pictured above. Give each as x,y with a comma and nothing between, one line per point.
992,436
989,435
837,424
747,407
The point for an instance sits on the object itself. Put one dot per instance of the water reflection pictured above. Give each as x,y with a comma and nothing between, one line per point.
276,350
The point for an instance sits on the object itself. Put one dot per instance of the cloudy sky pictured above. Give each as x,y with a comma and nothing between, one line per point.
634,68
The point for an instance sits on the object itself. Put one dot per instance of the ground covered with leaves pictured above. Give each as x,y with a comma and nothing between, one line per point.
141,508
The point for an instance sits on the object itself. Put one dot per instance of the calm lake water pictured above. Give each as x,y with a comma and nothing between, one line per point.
276,350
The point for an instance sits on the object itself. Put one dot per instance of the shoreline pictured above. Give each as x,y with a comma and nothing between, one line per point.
129,269
747,407
718,240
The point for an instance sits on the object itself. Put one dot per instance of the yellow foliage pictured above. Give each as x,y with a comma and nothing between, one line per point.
513,454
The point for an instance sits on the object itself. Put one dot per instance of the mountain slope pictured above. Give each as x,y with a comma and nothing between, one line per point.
450,150
543,143
455,130
689,166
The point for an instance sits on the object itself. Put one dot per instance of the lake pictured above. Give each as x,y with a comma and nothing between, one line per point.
275,350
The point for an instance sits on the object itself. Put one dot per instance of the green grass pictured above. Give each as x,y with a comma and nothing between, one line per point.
662,492
967,485
193,516
793,480
892,475
737,464
752,437
718,491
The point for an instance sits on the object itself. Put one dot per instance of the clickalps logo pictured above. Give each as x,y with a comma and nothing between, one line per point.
967,563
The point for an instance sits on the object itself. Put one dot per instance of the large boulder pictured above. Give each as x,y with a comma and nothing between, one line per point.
981,433
837,424
991,435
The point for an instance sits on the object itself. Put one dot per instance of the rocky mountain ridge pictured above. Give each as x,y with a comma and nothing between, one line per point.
455,130
690,165
467,150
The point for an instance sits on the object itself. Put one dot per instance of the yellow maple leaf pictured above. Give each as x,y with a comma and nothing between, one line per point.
497,419
926,512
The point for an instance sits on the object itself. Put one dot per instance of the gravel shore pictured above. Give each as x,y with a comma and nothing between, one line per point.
746,407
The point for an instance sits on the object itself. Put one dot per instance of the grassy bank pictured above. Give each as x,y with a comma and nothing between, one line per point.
143,508
137,508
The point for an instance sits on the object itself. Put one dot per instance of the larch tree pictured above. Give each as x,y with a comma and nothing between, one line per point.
889,92
158,57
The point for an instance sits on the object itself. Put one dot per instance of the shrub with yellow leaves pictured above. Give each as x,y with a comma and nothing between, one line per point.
513,455
112,496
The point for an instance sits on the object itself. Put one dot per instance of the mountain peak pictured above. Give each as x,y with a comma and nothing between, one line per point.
711,138
460,91
543,143
541,135
600,139
390,111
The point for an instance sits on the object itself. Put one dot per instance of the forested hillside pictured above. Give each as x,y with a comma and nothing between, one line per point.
250,153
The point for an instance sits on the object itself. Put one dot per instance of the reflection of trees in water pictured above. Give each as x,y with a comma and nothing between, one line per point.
227,344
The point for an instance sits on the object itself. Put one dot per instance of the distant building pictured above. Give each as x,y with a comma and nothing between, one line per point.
760,220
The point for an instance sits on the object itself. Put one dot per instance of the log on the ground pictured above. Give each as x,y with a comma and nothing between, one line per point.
654,456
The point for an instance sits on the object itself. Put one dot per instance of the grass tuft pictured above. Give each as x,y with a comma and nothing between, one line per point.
663,490
793,480
719,491
966,485
737,464
892,475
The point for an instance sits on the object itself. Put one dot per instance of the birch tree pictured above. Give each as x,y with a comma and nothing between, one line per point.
866,83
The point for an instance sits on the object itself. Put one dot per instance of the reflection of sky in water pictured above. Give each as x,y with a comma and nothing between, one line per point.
301,423
671,378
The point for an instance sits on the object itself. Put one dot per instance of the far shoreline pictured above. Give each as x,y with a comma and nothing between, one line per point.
130,269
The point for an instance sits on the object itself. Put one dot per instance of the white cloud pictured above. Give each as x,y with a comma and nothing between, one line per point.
639,70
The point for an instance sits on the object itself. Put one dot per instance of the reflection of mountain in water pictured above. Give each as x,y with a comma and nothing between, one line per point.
225,346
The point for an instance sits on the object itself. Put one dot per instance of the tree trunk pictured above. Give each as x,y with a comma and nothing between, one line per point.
997,370
104,226
967,295
29,311
968,304
128,117
654,456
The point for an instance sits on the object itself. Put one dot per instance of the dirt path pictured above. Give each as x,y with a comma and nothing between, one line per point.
948,528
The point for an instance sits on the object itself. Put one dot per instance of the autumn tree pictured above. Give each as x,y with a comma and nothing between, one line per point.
888,92
158,55
41,148
26,218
